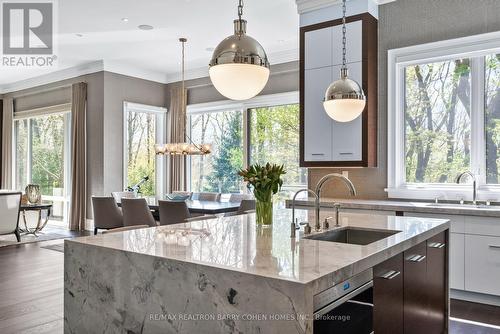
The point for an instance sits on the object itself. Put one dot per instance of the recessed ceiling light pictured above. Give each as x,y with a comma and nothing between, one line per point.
79,35
124,19
145,27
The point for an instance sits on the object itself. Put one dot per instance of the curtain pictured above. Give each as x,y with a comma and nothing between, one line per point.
78,204
7,136
177,164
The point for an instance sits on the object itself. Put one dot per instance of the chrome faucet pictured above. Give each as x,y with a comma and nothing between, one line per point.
474,184
319,186
294,225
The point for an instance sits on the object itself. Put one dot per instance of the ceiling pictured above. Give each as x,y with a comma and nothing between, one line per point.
93,30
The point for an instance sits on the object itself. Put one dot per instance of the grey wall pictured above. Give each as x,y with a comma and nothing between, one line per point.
106,93
284,78
117,89
404,23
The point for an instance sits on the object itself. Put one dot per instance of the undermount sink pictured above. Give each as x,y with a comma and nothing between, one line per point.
355,236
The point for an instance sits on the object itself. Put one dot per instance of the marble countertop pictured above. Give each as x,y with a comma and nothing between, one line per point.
238,244
422,207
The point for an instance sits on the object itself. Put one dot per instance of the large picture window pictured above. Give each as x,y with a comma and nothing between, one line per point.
144,126
444,118
42,155
264,129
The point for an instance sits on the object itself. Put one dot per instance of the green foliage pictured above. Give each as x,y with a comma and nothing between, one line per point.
265,180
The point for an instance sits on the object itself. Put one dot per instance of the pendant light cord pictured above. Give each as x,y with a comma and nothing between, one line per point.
344,41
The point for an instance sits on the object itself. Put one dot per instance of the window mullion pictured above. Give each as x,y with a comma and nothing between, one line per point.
478,138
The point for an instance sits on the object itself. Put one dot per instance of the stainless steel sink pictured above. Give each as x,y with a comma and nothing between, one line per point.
351,235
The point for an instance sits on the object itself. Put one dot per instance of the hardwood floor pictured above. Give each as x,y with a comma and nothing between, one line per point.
31,294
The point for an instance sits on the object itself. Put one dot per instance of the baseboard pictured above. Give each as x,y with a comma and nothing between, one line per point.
475,297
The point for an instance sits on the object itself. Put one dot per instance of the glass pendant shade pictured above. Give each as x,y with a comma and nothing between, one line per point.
239,81
239,68
344,99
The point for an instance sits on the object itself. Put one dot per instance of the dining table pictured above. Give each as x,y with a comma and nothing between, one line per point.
198,207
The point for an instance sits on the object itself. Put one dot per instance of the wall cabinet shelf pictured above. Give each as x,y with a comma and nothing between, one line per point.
323,141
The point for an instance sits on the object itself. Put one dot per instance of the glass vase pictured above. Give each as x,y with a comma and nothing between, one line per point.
264,212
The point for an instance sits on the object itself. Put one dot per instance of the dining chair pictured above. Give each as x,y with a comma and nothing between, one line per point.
118,195
136,212
172,212
237,198
10,204
125,228
107,214
209,197
246,206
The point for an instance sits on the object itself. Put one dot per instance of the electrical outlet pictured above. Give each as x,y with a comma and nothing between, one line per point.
345,173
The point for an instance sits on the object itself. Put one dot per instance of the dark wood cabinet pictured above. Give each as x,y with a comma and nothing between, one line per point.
388,296
411,290
415,290
437,287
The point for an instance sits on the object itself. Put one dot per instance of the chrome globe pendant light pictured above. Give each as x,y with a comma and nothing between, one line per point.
239,68
344,98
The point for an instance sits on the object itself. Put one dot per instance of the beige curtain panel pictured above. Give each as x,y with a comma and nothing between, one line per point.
7,120
78,211
177,164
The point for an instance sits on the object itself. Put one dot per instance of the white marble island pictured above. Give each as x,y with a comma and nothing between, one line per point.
225,275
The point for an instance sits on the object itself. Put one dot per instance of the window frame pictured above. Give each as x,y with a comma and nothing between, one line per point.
244,107
29,115
161,137
473,47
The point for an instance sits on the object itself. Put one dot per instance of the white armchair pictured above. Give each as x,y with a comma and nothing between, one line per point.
10,204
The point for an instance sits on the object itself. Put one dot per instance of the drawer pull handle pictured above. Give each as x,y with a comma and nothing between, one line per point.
416,258
495,246
436,245
317,154
391,274
346,153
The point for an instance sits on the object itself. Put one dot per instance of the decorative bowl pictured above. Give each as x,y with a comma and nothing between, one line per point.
177,197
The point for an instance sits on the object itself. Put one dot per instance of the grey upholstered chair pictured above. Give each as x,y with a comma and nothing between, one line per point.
136,212
212,197
107,214
125,228
118,195
237,198
10,204
173,212
246,205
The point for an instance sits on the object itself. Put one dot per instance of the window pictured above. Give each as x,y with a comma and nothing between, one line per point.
444,118
274,137
42,154
263,129
218,171
144,127
492,100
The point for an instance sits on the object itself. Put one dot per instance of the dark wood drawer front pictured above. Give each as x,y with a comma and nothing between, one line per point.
415,290
436,283
388,296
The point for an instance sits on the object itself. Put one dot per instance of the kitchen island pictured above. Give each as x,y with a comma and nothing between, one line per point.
228,275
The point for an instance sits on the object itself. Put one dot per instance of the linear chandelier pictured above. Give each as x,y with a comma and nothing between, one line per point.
186,148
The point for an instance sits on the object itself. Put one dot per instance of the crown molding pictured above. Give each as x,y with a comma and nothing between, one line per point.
304,6
55,76
123,69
